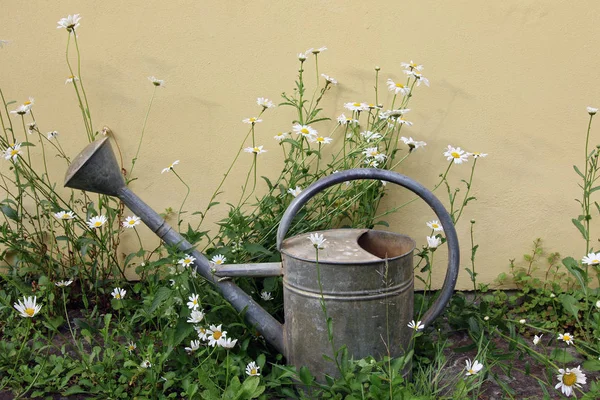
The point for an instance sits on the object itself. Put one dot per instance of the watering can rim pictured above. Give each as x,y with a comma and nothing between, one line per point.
282,250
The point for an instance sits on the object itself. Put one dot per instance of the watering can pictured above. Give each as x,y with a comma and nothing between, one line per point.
364,277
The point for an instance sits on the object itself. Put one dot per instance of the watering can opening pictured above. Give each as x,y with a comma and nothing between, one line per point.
386,245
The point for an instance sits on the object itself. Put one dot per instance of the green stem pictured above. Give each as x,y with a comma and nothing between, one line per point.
133,161
184,199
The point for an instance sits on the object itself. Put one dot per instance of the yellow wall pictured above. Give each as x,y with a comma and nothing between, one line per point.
510,78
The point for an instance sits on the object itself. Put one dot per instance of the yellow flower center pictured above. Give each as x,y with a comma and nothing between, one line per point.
472,372
356,104
14,152
304,131
131,347
217,335
187,261
131,222
595,261
435,226
569,379
203,330
194,301
256,150
455,154
399,85
252,119
566,338
30,311
320,139
118,296
27,103
72,77
413,65
253,371
219,262
66,216
97,224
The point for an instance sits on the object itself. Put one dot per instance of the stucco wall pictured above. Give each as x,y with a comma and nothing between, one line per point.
510,78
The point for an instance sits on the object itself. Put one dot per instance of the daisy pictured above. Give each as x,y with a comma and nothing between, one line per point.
218,259
304,130
402,121
64,283
295,192
478,155
97,221
281,136
118,293
416,326
319,50
373,152
131,222
264,102
266,296
72,79
419,77
131,347
368,135
522,321
412,144
21,110
569,378
194,345
52,135
196,316
64,215
252,369
28,307
474,368
186,261
170,167
201,331
329,79
598,304
215,335
12,153
435,225
31,127
320,139
228,343
566,337
343,120
146,364
70,23
456,154
256,150
592,110
302,56
371,163
591,259
193,302
412,66
536,339
397,87
253,120
317,240
156,82
433,242
356,106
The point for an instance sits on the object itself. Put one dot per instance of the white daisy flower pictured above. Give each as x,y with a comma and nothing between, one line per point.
456,154
97,221
31,127
131,347
478,155
202,333
591,259
28,307
266,296
473,368
196,316
256,150
373,152
397,88
402,121
264,102
304,130
317,240
416,326
302,56
419,77
433,242
435,225
320,139
371,163
118,293
281,136
412,144
568,379
368,135
343,120
253,120
194,345
356,106
64,215
193,302
411,65
218,259
21,110
72,79
252,369
598,304
64,283
170,167
131,222
157,82
186,261
592,110
12,153
329,79
52,135
317,51
228,343
566,337
536,339
215,335
522,321
146,364
295,192
70,22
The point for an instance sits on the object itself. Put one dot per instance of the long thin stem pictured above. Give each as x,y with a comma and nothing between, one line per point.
133,161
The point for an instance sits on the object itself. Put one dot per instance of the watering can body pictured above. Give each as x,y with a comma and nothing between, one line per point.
362,280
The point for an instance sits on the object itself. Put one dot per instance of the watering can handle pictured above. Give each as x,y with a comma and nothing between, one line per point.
389,176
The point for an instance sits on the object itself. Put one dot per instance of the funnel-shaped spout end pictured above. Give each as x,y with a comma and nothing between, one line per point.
95,169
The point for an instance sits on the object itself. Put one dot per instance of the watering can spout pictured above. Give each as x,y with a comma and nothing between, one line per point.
96,169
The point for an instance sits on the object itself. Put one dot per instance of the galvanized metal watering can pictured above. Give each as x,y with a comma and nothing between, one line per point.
366,275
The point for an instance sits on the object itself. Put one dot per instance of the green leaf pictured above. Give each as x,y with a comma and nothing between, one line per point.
561,355
570,304
592,190
162,294
9,212
248,387
74,390
580,227
578,171
255,248
305,376
573,267
384,223
591,365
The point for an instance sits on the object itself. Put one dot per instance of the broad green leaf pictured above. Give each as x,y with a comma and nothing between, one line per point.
162,294
570,304
305,376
